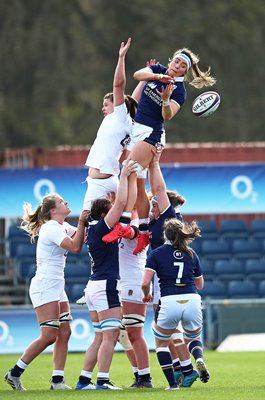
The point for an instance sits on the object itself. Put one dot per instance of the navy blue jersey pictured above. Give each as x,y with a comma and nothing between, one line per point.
149,111
175,271
156,226
104,256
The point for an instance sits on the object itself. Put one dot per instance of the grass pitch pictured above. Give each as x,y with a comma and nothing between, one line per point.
234,376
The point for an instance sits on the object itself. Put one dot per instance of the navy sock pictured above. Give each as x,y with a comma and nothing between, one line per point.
84,379
165,361
57,378
195,348
16,371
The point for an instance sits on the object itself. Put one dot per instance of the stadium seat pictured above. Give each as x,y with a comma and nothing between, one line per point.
262,288
213,289
233,228
15,237
26,253
255,269
208,229
215,249
76,273
242,289
229,269
196,246
207,269
257,228
243,248
27,271
77,291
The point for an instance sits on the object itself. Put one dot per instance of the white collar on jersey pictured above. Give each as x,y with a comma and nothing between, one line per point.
179,79
94,222
168,242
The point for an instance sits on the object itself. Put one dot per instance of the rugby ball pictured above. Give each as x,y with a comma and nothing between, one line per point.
205,104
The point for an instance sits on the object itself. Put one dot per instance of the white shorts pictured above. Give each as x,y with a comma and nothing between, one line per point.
141,132
102,295
99,188
185,308
46,290
131,293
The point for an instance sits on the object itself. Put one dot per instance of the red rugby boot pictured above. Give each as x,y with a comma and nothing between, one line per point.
143,240
118,232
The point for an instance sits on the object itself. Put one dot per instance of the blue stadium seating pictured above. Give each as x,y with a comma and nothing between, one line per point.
27,271
229,269
15,237
215,249
26,253
208,229
242,289
76,273
196,246
76,291
255,269
243,248
213,289
262,288
207,268
233,228
257,228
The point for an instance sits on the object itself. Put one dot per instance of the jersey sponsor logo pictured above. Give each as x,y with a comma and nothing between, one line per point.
177,254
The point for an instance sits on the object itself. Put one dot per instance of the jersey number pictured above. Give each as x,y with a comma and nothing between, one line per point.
180,266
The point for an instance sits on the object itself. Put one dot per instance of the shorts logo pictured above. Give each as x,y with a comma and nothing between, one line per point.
130,292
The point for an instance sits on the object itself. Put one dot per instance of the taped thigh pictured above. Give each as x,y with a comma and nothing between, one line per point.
96,326
160,335
65,317
50,323
193,336
110,323
133,320
177,336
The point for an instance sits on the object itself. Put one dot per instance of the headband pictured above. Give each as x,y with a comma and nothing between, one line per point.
185,58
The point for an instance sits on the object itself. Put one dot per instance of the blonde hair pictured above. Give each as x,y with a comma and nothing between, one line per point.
181,234
194,75
33,220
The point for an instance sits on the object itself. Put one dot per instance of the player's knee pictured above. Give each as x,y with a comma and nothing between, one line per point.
124,340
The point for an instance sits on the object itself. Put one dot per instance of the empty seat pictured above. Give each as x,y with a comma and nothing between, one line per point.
255,269
208,229
243,248
242,289
76,273
77,291
233,228
16,236
229,269
257,228
27,271
26,253
262,288
213,289
196,246
207,268
215,249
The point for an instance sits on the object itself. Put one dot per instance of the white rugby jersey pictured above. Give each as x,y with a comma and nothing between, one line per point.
131,266
107,147
50,257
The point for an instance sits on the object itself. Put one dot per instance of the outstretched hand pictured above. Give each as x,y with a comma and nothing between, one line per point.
124,48
166,92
